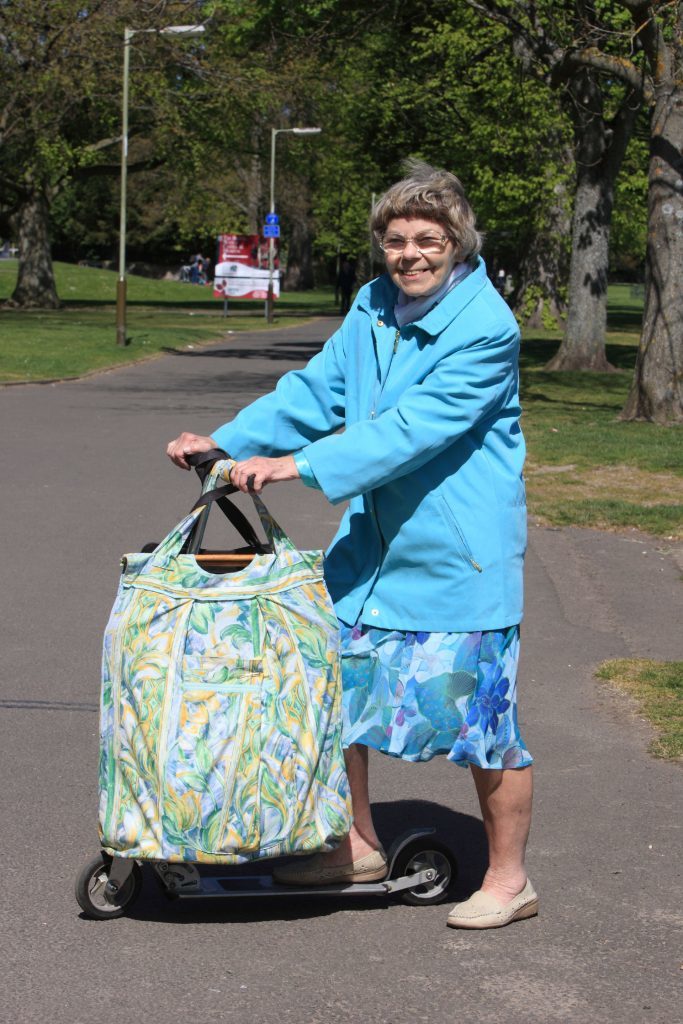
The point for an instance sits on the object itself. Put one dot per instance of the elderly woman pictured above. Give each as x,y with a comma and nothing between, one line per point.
426,569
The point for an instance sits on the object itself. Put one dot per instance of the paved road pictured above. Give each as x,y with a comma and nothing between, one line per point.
84,479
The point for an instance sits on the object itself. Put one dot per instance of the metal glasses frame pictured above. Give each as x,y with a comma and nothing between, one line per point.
444,240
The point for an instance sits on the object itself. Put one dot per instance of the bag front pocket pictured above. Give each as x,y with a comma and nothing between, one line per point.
211,800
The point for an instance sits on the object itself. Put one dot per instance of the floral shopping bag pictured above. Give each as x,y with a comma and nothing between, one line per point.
220,731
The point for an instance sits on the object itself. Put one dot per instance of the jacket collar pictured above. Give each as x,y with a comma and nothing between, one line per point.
379,298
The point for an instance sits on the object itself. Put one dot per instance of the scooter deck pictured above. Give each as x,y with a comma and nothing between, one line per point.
265,885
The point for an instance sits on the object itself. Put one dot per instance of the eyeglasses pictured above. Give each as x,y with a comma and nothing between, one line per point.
426,245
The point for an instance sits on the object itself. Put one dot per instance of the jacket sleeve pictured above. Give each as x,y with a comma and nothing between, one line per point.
468,385
306,405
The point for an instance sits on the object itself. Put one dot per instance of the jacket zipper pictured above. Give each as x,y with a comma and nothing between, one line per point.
396,341
461,535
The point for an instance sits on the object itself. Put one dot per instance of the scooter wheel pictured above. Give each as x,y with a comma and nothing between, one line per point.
90,889
421,856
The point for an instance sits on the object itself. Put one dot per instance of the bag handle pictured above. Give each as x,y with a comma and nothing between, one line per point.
203,463
274,532
218,469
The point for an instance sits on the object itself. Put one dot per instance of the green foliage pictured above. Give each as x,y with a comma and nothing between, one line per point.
60,83
60,107
629,220
511,136
384,81
533,295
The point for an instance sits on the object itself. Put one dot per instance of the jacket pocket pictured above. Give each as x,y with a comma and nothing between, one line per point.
460,538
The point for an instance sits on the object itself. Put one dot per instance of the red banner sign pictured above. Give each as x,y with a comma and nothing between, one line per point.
242,268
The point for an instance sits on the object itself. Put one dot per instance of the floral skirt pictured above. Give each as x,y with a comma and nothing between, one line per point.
414,695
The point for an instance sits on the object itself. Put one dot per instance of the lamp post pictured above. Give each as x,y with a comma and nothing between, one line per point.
187,32
274,132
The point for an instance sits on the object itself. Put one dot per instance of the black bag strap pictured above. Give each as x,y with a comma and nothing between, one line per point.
202,464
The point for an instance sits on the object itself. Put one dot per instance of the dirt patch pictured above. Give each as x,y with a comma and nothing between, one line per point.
567,495
621,483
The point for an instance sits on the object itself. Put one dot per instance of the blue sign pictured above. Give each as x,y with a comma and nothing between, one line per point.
271,231
272,218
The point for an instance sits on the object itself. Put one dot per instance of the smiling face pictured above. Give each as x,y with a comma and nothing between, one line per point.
418,274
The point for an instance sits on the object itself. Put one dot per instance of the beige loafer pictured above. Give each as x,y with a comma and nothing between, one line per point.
482,910
318,870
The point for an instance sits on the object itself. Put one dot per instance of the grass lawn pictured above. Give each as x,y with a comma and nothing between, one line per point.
81,337
584,466
657,689
78,286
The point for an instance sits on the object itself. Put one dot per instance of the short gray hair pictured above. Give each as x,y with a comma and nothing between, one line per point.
432,194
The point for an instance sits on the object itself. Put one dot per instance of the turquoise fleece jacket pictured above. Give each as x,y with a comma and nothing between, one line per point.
430,458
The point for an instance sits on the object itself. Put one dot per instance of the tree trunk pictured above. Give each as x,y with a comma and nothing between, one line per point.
600,151
657,390
299,274
35,286
540,300
583,345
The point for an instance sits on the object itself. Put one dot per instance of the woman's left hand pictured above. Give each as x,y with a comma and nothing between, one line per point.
252,475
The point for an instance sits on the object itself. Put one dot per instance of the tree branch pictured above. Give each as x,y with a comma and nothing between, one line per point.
94,170
619,67
531,34
649,31
95,147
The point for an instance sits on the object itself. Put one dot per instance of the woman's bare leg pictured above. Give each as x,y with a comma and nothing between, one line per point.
362,838
505,798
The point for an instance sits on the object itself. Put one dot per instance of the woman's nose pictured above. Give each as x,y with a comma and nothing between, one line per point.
410,243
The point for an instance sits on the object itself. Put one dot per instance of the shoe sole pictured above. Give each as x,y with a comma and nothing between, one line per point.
495,921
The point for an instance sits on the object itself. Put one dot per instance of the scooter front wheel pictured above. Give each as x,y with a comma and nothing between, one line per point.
426,855
91,884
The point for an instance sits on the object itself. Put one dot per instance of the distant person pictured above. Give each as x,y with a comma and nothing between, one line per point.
499,282
346,280
201,269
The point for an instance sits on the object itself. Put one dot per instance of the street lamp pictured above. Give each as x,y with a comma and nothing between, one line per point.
274,132
187,32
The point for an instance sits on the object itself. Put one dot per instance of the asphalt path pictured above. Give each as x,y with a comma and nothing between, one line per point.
84,479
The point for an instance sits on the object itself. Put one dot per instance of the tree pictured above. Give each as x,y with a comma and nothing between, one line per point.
429,80
519,178
60,88
553,41
657,390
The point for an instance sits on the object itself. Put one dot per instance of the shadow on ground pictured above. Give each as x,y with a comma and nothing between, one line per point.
463,833
284,352
536,352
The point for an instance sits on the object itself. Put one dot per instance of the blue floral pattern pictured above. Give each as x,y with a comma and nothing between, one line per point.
415,695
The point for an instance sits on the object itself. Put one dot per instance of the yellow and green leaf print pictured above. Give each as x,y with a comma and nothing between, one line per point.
221,707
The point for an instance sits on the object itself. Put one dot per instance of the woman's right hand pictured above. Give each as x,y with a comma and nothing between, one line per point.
188,444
